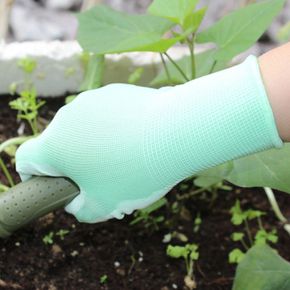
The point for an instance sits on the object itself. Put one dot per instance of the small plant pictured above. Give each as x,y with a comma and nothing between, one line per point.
104,279
62,233
48,239
246,238
145,216
27,104
197,223
190,254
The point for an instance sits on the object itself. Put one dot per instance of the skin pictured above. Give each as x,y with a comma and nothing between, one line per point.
275,71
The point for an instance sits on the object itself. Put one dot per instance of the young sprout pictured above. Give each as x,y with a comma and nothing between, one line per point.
27,104
197,223
104,279
190,254
240,217
145,215
62,233
236,256
48,239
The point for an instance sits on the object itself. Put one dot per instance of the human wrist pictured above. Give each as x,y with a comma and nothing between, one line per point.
275,71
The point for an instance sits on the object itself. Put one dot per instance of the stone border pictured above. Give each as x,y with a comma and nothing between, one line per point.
60,69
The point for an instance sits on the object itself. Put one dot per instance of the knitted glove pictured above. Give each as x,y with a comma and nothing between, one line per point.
126,146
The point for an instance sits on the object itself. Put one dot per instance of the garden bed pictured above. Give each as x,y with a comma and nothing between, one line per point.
131,257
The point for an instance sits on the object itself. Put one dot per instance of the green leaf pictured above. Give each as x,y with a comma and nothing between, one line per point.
237,236
236,256
174,10
176,251
265,169
136,75
213,175
239,30
237,214
252,214
193,20
262,269
262,237
27,64
103,30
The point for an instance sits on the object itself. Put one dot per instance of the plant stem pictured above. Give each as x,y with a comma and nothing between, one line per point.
244,244
248,232
213,66
260,223
190,268
271,197
192,193
12,141
177,66
165,68
6,172
192,57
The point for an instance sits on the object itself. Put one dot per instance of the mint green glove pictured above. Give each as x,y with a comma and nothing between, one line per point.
127,146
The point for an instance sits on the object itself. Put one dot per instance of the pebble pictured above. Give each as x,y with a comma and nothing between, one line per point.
74,253
117,264
121,272
56,249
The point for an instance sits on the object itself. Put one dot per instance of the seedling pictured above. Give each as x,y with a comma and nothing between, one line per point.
27,104
48,239
62,233
145,216
104,279
262,237
190,255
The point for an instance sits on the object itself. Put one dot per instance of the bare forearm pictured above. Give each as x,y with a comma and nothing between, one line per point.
275,70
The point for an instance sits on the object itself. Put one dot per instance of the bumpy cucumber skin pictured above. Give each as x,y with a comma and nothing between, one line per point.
32,199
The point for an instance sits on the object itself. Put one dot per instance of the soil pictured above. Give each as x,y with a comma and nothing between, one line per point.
132,257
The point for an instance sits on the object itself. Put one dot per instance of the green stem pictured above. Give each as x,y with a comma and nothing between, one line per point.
192,57
248,232
12,141
166,68
260,223
272,199
190,268
244,244
177,67
193,193
213,66
6,173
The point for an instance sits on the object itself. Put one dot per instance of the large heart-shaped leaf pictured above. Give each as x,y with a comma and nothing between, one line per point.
262,269
239,30
266,169
103,30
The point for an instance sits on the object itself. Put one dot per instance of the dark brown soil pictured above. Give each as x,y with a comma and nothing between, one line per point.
132,257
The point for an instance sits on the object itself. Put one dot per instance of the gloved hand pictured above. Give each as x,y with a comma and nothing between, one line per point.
126,146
